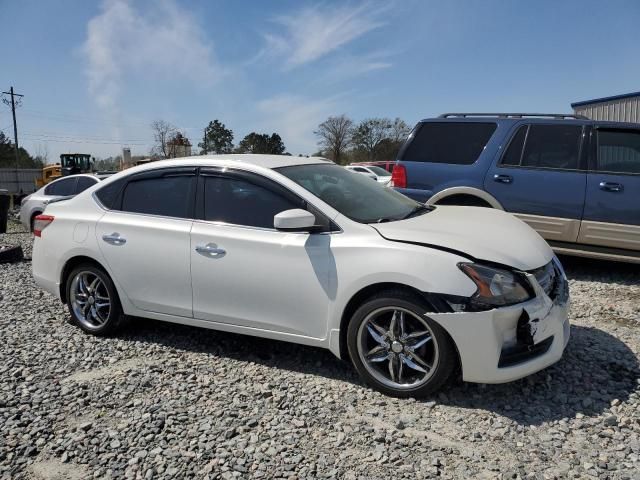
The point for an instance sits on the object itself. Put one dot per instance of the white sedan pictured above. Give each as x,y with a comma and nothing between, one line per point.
374,172
300,249
34,204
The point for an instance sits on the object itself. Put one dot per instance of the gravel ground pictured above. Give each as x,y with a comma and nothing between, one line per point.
166,401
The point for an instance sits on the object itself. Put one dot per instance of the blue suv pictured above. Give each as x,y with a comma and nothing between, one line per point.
575,181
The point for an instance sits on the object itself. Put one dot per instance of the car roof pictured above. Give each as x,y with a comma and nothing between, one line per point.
527,119
264,161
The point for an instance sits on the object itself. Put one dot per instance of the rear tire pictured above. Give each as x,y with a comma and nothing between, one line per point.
93,301
397,349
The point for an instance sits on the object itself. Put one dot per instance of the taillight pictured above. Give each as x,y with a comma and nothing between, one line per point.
399,176
40,223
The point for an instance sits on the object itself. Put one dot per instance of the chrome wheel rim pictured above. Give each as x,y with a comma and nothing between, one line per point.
398,348
90,300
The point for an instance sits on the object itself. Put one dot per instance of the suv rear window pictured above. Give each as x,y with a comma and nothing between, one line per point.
619,151
448,142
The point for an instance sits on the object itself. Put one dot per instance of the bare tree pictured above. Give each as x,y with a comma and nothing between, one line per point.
399,131
335,136
162,133
369,134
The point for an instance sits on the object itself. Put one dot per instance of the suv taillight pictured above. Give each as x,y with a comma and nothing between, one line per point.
40,223
399,176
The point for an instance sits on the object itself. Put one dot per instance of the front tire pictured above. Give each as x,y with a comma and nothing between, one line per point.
397,349
93,301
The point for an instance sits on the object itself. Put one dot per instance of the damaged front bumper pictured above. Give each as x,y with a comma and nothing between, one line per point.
508,343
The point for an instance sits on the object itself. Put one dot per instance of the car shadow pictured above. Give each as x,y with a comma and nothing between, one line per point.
595,369
605,271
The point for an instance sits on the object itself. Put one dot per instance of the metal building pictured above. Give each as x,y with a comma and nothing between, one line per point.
619,108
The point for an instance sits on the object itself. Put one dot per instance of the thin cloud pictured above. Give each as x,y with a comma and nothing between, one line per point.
295,118
314,32
123,41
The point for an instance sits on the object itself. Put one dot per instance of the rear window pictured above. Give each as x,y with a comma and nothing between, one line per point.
64,187
449,142
166,196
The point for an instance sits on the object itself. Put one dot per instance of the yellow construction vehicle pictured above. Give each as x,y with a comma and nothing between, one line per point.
70,164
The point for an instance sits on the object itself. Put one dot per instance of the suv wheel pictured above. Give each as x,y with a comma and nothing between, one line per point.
93,301
397,348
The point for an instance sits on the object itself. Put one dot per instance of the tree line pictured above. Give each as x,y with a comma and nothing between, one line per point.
344,141
339,138
217,138
25,159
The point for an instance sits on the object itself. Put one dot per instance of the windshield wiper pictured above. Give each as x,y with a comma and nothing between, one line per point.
418,209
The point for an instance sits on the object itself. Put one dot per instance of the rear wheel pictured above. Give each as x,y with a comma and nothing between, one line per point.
93,300
397,348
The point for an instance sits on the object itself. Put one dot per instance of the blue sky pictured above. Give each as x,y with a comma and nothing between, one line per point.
96,74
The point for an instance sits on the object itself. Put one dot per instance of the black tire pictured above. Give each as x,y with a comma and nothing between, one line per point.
11,253
445,358
111,320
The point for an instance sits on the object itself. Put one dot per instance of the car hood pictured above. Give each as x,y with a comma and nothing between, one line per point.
482,233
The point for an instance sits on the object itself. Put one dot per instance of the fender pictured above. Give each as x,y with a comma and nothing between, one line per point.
471,191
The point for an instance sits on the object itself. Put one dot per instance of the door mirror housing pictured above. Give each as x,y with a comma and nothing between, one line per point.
295,220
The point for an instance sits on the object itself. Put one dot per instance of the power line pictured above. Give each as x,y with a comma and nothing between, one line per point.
81,137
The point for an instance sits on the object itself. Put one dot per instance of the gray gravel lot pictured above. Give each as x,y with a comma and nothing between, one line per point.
167,401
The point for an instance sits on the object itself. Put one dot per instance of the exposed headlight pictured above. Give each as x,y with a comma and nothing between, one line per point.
496,287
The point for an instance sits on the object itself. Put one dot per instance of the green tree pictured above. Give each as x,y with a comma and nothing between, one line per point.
8,158
370,134
262,143
217,139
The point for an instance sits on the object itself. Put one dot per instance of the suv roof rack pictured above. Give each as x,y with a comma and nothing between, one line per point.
516,115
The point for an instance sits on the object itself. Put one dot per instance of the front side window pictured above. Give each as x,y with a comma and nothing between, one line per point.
618,151
169,196
448,142
63,187
552,146
354,196
236,201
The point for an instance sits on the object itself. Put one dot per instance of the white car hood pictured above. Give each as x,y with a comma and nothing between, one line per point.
482,233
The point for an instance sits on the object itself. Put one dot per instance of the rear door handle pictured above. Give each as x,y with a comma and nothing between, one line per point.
611,186
210,250
503,178
114,239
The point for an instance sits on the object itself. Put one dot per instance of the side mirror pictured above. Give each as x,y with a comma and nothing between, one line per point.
294,220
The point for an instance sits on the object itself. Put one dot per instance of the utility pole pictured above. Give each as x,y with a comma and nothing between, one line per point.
15,130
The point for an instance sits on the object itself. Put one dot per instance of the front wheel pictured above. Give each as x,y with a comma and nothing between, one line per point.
93,301
397,348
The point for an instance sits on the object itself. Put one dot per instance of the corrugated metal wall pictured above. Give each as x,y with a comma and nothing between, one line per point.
26,179
621,110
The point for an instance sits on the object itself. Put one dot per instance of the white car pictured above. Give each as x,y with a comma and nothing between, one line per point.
34,204
300,249
374,172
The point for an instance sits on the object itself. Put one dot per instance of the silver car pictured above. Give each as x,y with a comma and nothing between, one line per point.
34,204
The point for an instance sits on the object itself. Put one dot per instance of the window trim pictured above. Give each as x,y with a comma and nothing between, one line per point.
583,167
593,166
268,183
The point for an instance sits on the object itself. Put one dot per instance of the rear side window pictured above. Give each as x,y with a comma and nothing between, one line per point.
449,142
84,183
64,187
552,146
166,196
619,151
110,194
238,202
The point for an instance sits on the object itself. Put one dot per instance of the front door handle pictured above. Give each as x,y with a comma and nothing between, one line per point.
611,186
114,239
503,178
210,250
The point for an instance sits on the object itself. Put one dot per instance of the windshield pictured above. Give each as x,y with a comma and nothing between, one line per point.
381,172
354,196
